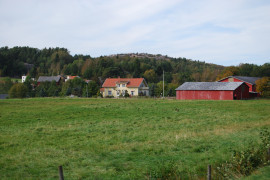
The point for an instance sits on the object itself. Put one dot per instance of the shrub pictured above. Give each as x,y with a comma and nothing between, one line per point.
243,163
18,91
5,85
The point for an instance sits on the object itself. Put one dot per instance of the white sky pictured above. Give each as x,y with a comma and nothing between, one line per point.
226,32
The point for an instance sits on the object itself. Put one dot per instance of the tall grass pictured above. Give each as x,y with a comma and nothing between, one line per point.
124,138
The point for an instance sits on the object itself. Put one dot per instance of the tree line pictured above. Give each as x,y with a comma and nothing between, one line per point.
30,88
58,61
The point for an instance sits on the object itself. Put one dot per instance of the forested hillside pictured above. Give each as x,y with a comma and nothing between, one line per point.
18,61
54,61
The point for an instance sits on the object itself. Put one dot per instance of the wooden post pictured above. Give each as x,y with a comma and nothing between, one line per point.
209,172
61,175
269,154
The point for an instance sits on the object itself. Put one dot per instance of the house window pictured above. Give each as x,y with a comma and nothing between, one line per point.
132,93
123,92
118,92
109,93
118,85
123,85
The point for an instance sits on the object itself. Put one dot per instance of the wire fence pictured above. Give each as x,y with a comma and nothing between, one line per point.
211,172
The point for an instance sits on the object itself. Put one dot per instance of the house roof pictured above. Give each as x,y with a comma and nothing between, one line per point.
48,78
250,80
216,86
87,81
72,77
131,82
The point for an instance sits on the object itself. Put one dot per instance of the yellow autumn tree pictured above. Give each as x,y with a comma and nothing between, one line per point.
150,75
263,86
228,71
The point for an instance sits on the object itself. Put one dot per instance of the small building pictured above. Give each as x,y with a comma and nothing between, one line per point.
250,81
24,78
41,79
213,90
119,86
71,77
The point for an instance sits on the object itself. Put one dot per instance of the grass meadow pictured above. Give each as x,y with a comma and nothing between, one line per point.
124,138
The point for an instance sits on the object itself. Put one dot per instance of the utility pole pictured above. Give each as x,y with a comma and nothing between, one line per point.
163,84
87,88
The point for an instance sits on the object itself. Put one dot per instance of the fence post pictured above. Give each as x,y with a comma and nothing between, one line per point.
209,172
61,175
268,154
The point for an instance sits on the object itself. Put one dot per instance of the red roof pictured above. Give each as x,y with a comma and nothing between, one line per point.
101,90
72,77
131,82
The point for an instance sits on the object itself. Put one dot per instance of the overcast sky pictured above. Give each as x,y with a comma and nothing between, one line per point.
226,32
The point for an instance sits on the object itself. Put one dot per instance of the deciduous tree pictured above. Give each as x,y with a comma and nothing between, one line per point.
263,86
18,90
150,76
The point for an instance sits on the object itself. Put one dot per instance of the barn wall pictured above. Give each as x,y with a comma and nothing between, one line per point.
242,92
253,88
211,95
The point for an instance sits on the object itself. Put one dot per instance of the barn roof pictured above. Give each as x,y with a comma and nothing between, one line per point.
222,86
48,78
250,80
131,82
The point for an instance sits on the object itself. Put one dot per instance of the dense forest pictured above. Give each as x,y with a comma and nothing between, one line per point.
18,61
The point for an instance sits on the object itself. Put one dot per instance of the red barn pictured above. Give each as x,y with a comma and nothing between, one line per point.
250,81
213,90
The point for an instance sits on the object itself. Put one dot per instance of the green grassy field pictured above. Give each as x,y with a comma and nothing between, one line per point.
14,79
261,174
123,138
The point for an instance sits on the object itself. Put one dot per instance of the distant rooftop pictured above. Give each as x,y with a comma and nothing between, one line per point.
131,82
48,78
247,79
251,80
223,86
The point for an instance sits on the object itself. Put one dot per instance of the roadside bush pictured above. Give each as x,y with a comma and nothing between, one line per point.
42,89
18,90
126,94
243,163
5,85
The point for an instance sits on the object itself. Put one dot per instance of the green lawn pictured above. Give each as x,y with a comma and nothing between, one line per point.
14,79
123,138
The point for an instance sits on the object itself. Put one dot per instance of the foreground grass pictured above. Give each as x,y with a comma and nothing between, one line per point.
262,174
123,138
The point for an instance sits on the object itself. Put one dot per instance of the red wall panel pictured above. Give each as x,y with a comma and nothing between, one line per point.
241,92
211,95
